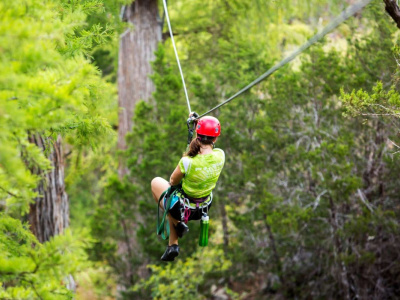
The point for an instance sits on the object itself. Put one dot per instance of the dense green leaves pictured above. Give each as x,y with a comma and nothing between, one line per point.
183,279
307,204
301,181
46,86
29,270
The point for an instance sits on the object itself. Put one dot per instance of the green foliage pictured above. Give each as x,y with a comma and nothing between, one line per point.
105,55
156,137
185,278
305,192
109,223
379,103
96,283
47,86
86,176
306,206
30,270
379,70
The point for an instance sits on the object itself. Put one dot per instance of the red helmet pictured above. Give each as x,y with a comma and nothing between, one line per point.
208,126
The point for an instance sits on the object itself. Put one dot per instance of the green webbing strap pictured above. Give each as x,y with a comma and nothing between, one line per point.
163,226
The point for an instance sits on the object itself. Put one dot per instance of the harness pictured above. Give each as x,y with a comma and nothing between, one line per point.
187,207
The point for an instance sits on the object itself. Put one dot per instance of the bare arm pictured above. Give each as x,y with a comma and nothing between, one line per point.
176,176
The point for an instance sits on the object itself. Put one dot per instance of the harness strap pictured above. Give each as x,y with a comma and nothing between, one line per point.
163,225
187,213
187,206
200,203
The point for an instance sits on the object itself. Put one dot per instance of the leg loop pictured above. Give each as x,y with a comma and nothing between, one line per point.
186,210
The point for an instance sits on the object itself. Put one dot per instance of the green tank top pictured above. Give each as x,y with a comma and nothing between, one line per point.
201,172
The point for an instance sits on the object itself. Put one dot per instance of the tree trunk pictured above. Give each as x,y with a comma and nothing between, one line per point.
49,214
393,10
136,51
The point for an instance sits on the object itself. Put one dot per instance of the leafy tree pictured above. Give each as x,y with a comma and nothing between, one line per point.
306,204
320,174
48,89
30,270
186,278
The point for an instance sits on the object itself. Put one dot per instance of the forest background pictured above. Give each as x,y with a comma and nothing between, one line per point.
307,205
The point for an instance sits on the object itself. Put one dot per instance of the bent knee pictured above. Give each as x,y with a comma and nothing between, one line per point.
156,181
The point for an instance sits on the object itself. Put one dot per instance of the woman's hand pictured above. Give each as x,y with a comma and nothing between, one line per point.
192,118
194,114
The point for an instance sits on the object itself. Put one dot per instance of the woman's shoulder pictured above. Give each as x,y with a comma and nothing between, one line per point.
185,163
219,151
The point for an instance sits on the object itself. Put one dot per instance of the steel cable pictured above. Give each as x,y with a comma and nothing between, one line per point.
347,13
176,53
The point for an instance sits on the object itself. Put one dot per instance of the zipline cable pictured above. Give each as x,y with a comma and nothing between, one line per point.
347,13
176,53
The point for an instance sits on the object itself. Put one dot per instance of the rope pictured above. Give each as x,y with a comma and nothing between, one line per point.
163,224
176,53
347,13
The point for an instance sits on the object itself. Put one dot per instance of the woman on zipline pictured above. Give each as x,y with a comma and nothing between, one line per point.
197,172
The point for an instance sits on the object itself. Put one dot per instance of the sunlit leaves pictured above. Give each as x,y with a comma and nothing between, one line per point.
37,270
46,87
183,278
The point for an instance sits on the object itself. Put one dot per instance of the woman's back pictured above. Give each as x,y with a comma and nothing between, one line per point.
201,172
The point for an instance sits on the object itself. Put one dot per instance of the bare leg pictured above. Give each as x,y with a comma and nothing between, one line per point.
158,186
173,236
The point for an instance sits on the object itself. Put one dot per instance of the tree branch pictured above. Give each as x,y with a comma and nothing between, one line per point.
8,192
393,10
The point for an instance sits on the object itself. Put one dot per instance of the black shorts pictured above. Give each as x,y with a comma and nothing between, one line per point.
195,214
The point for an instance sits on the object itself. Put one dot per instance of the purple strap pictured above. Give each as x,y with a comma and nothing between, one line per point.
188,211
187,215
